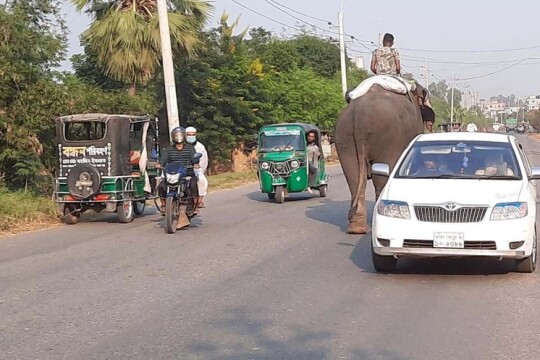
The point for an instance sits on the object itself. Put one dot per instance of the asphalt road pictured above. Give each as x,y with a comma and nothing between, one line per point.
254,280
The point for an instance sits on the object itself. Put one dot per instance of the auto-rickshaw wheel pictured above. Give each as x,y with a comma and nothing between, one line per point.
139,206
271,196
125,211
71,215
322,190
280,194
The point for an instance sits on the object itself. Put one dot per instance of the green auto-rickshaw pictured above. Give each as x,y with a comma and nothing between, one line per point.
106,162
283,161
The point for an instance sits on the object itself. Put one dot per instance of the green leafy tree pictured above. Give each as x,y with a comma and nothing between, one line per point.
125,35
303,96
23,70
222,93
318,54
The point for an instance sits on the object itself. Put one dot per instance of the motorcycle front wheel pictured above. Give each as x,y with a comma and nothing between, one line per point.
171,214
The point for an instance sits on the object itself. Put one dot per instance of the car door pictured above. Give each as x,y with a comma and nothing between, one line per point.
531,186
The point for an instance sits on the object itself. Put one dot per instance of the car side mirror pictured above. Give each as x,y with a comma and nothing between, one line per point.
535,173
380,169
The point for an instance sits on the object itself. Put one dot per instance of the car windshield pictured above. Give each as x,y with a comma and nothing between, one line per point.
281,141
460,160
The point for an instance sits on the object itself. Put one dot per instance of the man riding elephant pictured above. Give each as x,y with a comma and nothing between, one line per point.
377,126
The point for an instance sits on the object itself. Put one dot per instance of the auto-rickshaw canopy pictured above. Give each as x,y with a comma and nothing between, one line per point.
304,127
102,140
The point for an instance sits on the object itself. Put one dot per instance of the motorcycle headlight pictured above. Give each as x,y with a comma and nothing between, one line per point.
394,209
173,179
295,164
509,211
265,166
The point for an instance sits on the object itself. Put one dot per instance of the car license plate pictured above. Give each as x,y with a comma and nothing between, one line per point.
448,240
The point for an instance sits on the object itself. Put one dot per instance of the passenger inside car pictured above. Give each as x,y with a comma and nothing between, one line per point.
494,164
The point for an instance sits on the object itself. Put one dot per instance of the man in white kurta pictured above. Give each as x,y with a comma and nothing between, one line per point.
202,181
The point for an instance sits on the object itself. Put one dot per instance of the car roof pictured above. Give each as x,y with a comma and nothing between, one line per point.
465,136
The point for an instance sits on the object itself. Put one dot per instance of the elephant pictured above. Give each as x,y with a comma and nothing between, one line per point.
375,128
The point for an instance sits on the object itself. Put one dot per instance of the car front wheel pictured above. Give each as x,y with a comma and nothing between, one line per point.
528,265
384,264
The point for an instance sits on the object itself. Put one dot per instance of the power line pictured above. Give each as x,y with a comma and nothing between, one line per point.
270,2
416,59
264,16
494,72
473,51
300,13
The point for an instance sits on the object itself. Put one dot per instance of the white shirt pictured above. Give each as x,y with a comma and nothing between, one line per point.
203,163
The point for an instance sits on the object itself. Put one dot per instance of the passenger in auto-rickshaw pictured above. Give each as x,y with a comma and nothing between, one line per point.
314,153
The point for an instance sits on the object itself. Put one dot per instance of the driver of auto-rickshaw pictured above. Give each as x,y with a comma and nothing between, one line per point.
314,154
182,152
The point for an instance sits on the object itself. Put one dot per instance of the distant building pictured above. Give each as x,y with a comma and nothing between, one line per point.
533,103
359,62
492,109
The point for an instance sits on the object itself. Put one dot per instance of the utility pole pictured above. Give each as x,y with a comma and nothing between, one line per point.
168,67
427,74
452,101
342,51
466,96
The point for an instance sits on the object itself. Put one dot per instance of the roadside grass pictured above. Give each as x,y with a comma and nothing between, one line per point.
231,180
20,212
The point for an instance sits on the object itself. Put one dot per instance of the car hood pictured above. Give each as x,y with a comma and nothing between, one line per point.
437,191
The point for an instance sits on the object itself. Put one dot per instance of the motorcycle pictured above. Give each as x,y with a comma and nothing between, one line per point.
178,195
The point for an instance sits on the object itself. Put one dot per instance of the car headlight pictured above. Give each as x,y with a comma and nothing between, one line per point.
265,166
394,209
295,164
173,179
509,211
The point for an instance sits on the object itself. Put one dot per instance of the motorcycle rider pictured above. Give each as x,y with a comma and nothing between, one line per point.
181,152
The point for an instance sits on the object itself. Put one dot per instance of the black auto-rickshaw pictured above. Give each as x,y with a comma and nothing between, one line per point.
105,163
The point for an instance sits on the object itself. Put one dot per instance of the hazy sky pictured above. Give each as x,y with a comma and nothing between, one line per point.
458,35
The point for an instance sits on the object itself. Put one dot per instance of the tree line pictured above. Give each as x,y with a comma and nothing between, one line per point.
230,81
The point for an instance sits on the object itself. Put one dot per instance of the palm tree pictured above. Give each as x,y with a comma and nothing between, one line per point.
126,39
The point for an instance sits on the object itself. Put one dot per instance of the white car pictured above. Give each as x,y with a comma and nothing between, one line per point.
457,195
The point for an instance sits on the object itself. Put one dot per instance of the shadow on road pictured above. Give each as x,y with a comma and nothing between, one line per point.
335,213
361,257
262,197
243,334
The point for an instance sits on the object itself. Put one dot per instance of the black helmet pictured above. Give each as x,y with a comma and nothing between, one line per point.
178,134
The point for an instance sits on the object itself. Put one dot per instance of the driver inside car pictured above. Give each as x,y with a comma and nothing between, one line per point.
431,166
181,152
